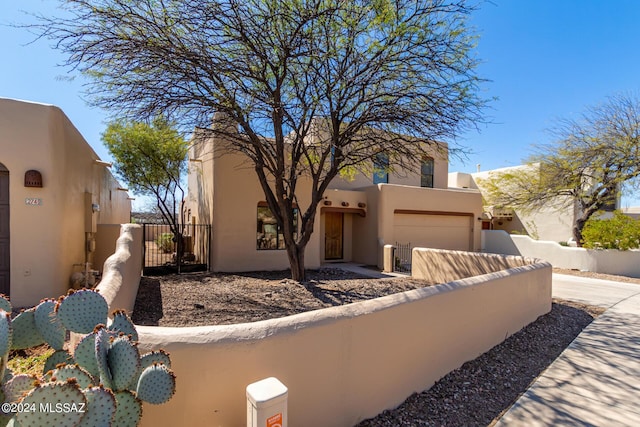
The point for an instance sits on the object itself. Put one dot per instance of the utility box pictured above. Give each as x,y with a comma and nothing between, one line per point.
267,403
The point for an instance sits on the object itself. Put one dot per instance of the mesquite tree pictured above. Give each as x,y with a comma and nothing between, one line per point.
379,76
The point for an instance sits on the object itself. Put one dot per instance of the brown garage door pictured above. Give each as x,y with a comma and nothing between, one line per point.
438,231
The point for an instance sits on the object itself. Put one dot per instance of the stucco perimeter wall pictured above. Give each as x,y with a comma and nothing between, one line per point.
437,265
626,263
122,270
348,363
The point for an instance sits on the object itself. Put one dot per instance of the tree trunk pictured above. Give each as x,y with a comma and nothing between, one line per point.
577,232
296,261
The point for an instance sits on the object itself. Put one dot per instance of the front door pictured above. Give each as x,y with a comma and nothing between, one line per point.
4,231
333,235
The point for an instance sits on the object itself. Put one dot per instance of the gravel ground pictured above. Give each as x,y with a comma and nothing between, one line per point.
199,299
476,394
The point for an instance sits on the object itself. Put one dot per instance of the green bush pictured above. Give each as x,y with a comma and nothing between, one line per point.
620,232
165,242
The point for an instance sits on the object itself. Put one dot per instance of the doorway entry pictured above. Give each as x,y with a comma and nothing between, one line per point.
5,273
333,235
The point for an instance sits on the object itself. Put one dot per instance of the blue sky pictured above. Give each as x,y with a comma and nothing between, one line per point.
546,59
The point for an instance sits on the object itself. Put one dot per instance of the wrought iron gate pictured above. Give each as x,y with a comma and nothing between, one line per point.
167,253
402,258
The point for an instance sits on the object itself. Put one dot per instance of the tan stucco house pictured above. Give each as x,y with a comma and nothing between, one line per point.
553,221
356,219
54,192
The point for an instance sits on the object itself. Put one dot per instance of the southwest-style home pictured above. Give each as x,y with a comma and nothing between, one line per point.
553,221
54,192
356,218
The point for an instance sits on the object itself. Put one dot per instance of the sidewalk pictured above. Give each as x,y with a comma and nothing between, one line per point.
596,380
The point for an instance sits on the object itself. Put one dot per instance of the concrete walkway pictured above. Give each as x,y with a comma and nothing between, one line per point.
596,380
363,270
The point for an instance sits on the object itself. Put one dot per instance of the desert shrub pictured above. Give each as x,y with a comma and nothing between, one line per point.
165,242
619,232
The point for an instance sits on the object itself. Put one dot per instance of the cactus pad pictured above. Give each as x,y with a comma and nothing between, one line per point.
85,354
6,332
63,373
48,324
128,409
102,350
158,356
64,396
122,323
60,356
124,360
25,332
157,384
101,408
5,304
82,310
17,386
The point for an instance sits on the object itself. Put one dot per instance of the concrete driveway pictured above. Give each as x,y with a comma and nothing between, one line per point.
596,380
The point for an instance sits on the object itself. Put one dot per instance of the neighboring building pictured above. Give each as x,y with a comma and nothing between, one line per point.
54,191
554,221
355,220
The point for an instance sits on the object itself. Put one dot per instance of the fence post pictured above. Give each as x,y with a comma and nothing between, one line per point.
267,403
389,258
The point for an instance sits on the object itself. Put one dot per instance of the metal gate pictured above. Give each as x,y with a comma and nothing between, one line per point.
402,258
162,247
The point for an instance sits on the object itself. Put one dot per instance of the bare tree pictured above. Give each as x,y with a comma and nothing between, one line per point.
381,76
592,159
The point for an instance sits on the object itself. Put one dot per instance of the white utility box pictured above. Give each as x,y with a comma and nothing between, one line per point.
267,403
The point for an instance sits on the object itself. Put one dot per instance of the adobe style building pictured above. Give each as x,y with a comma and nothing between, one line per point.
355,220
553,221
54,192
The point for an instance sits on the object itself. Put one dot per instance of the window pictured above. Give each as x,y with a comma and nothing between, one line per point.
426,172
381,168
269,235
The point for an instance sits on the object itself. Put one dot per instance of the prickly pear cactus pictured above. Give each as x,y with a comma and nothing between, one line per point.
60,356
101,408
82,310
49,325
56,404
157,384
5,304
105,381
122,323
85,354
25,331
128,409
123,360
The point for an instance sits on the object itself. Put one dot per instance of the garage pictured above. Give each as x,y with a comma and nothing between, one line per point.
439,230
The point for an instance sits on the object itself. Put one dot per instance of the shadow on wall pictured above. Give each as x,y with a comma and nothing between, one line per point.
499,242
440,266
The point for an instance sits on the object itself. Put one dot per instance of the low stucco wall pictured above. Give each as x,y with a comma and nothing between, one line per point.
437,265
106,239
121,271
348,363
626,263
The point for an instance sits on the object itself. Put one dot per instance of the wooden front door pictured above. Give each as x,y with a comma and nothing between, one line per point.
333,235
4,231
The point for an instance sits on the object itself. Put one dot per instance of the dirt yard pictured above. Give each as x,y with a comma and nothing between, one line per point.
197,299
